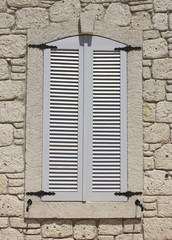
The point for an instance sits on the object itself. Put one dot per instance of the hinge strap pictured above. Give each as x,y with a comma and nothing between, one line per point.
128,194
41,46
40,193
128,48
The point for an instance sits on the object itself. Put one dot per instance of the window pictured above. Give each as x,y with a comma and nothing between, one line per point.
107,205
85,120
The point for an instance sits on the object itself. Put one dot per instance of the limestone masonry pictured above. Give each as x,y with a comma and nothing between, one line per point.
153,18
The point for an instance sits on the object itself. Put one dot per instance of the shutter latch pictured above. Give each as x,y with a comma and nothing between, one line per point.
128,48
42,46
40,193
138,203
29,203
128,194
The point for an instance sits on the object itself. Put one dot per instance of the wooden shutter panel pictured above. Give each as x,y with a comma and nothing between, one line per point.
107,167
62,147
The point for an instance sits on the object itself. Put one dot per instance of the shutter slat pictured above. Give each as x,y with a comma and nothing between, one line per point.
106,121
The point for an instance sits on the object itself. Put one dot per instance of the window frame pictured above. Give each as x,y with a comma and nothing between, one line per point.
34,109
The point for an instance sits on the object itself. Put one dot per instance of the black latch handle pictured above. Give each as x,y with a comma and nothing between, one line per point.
29,203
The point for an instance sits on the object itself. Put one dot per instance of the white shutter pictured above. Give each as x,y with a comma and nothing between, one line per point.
107,137
61,150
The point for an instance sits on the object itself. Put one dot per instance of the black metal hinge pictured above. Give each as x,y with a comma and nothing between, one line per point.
128,194
40,193
128,48
41,46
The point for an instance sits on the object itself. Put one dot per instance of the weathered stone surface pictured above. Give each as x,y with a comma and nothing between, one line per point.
6,20
118,14
155,48
19,133
157,133
164,206
11,159
11,89
132,226
32,17
129,237
163,157
154,91
9,233
64,10
156,183
3,184
148,163
141,7
3,222
157,228
21,3
170,21
12,111
58,229
160,21
146,73
85,229
12,46
3,6
149,112
163,112
162,68
97,9
141,20
88,17
6,134
10,206
151,34
105,237
110,227
3,69
162,5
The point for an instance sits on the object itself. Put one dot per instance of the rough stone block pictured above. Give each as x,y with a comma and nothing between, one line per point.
16,182
169,97
6,20
163,112
141,20
18,76
11,89
162,5
10,206
11,159
148,163
32,17
12,46
155,48
170,20
163,157
58,229
106,238
151,34
154,91
110,227
18,223
146,73
164,206
10,233
3,184
149,112
64,10
132,226
160,21
129,237
157,228
89,18
3,222
150,206
19,133
3,6
156,183
3,69
11,111
22,4
6,134
85,229
162,68
157,133
118,14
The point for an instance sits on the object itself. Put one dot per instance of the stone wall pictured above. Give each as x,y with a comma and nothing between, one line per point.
154,18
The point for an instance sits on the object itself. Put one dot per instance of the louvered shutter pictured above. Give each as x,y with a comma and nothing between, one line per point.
62,121
107,139
85,135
